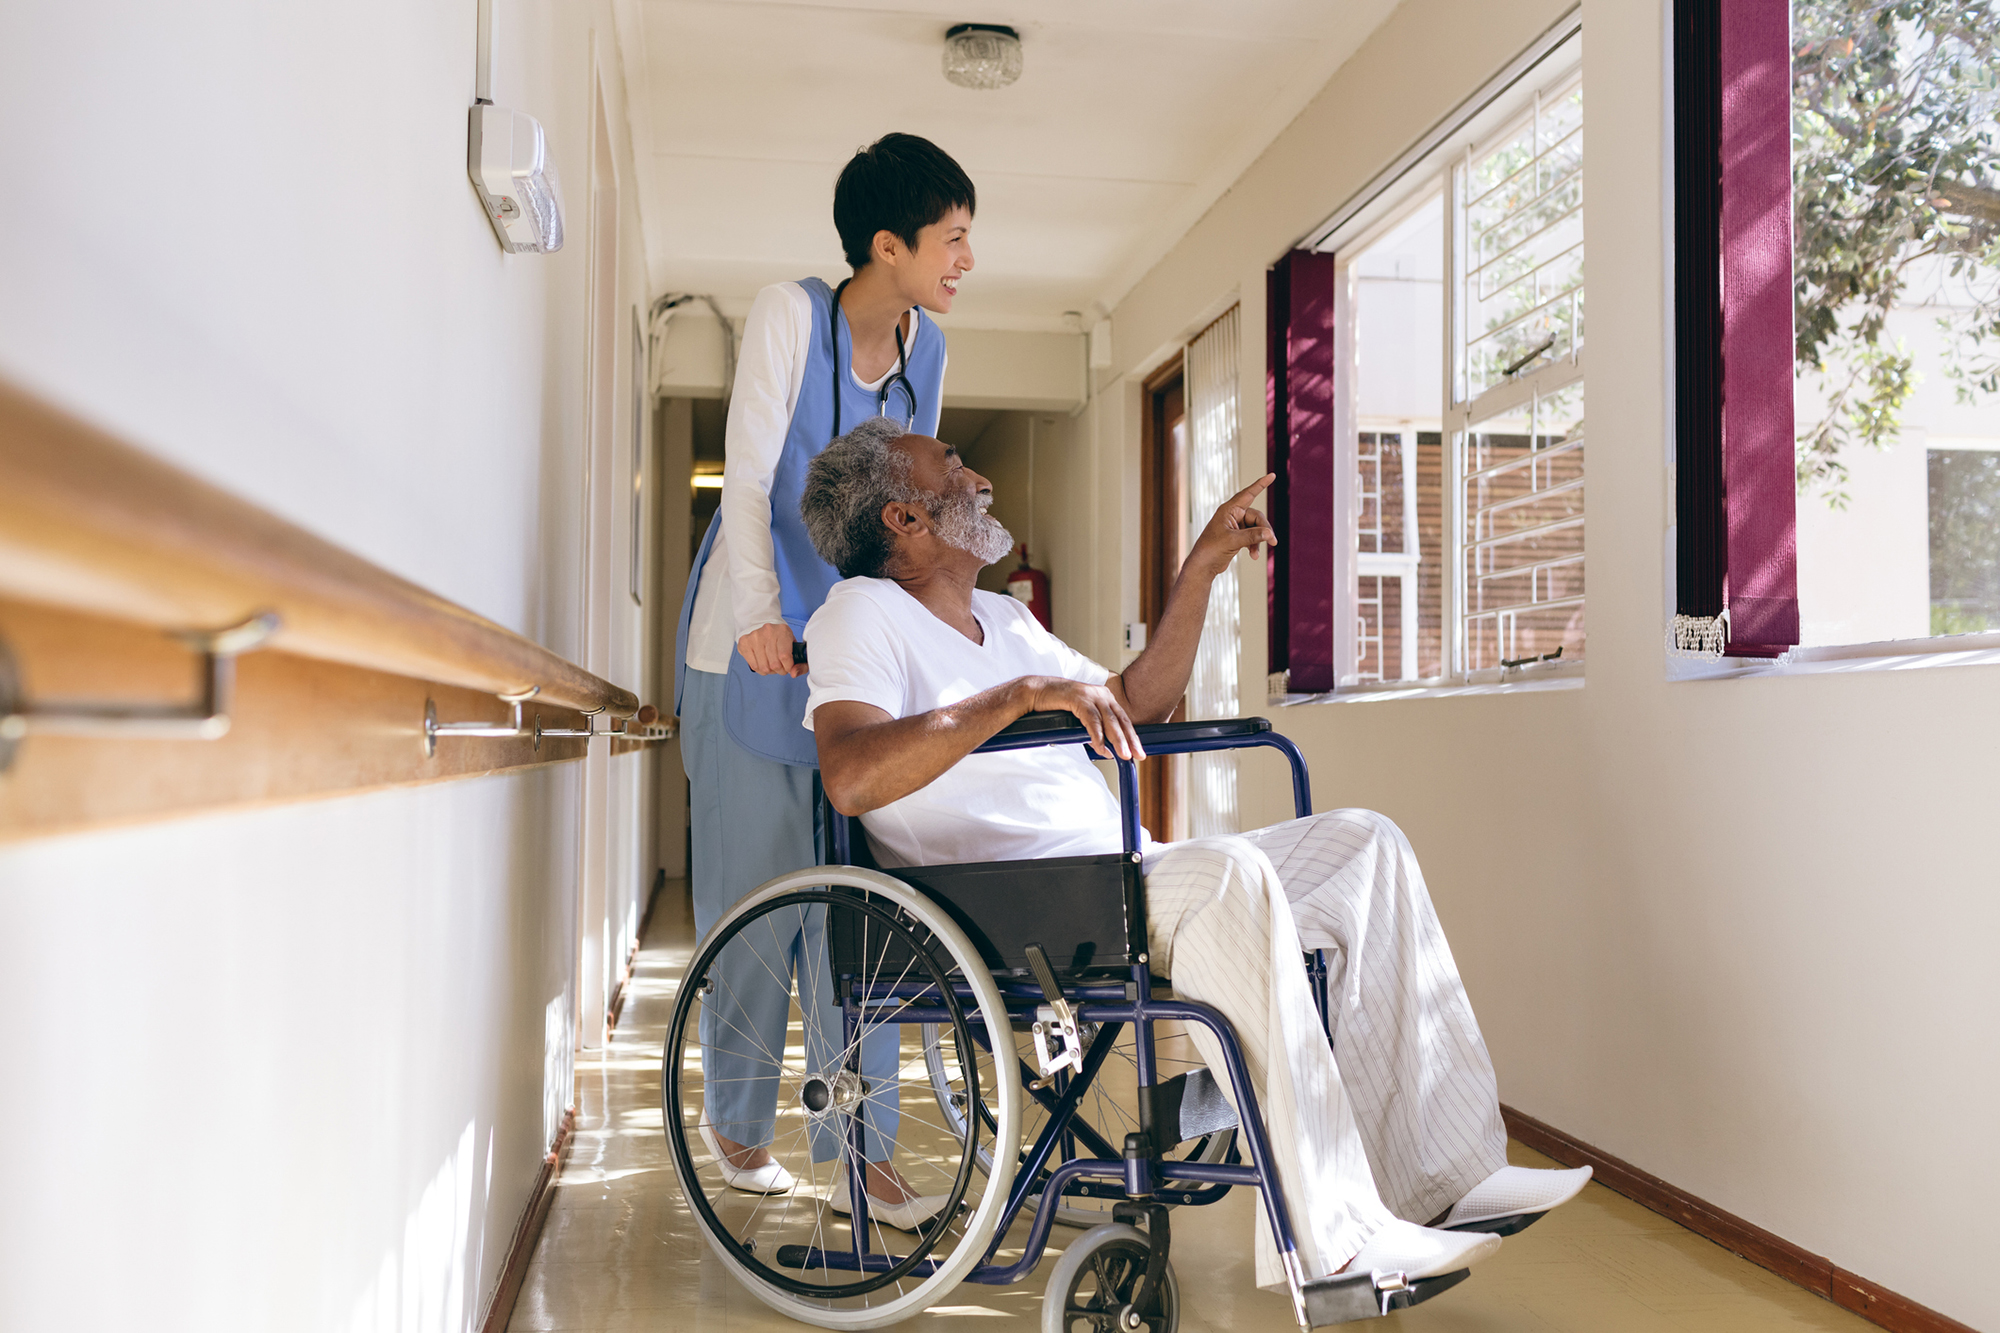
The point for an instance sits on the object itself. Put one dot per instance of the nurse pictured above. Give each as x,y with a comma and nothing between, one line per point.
816,361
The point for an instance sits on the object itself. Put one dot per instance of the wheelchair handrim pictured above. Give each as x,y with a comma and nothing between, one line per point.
920,1249
977,1233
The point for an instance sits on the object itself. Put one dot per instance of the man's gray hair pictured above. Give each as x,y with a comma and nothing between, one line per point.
846,489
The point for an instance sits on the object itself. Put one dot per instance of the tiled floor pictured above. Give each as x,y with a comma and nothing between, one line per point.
621,1251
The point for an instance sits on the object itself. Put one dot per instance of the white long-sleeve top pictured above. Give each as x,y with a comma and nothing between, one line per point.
739,588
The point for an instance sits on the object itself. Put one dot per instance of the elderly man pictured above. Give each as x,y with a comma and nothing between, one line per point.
1398,1122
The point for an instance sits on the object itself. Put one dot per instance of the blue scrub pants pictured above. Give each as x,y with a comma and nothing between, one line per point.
752,819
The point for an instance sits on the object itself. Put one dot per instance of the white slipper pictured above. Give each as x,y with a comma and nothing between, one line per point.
911,1215
769,1178
1514,1194
1420,1252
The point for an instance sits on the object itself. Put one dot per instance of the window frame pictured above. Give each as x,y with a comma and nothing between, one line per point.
1430,170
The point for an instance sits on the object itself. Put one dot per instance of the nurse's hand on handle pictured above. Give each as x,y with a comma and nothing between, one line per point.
768,650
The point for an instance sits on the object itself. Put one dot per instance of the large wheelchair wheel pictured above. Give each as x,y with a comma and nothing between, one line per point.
1109,1106
807,1024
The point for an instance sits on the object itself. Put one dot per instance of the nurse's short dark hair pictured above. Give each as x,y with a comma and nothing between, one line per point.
899,184
846,489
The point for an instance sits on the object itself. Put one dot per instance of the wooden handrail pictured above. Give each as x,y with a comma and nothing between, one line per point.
91,524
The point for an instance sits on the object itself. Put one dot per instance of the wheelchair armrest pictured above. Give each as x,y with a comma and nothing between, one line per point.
1164,734
1230,733
1063,729
1032,729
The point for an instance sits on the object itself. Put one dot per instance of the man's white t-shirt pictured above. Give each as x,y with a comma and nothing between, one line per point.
874,643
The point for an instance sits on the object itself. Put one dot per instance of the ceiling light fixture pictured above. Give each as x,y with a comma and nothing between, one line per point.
982,55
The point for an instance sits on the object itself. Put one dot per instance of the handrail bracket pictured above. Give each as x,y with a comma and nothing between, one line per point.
643,727
204,718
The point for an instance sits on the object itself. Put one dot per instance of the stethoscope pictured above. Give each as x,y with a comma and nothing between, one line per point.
881,394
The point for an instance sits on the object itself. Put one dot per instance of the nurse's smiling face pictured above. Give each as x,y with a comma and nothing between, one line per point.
928,276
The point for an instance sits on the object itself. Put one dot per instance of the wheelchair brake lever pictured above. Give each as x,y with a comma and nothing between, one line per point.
1060,1024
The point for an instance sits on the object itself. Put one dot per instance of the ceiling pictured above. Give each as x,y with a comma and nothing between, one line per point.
1130,119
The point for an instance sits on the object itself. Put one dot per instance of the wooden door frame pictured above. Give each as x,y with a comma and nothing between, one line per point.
1162,539
604,582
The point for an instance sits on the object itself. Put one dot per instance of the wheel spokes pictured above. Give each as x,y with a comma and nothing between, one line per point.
792,1238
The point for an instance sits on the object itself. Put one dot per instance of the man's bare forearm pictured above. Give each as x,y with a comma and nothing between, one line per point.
866,767
1158,677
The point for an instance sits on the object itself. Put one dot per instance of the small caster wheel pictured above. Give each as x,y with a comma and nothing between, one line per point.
1091,1287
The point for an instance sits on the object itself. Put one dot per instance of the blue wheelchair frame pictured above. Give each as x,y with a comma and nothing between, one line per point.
1135,1171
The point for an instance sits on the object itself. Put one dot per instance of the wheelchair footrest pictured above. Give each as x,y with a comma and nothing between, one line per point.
1344,1298
1502,1226
1190,1106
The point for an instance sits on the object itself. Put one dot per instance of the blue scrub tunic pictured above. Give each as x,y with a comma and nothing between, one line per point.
752,767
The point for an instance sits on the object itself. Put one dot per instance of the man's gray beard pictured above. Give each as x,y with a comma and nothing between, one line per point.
962,522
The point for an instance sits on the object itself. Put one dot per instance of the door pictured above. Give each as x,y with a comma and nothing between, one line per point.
614,872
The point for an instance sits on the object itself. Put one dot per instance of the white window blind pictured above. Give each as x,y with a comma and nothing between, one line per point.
1212,444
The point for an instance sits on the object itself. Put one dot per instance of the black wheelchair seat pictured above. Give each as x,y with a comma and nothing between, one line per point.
1087,912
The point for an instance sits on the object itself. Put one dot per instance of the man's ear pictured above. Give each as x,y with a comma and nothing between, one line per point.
904,520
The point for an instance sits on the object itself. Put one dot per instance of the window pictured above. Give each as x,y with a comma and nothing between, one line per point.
1458,399
1518,415
1394,290
1896,263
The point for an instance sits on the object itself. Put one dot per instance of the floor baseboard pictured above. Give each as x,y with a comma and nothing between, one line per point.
500,1310
616,1009
1815,1273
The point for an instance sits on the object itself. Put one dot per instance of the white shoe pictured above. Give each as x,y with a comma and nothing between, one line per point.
1515,1195
911,1215
1420,1252
769,1178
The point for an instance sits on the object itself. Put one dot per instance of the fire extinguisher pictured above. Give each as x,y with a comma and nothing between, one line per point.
1030,585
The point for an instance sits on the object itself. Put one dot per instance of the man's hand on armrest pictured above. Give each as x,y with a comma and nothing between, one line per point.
868,759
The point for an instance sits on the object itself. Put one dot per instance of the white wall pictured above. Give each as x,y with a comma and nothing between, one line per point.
1736,932
297,1068
1865,567
1042,491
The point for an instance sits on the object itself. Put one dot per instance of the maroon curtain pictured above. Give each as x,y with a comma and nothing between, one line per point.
1298,378
1757,430
1736,506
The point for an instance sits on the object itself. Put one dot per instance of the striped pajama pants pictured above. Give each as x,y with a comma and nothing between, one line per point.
1401,1115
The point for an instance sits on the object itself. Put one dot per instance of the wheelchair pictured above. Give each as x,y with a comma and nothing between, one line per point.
989,1029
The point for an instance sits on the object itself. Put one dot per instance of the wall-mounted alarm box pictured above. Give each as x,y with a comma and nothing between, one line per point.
508,160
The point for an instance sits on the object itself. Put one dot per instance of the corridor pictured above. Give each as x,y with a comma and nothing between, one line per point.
407,418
